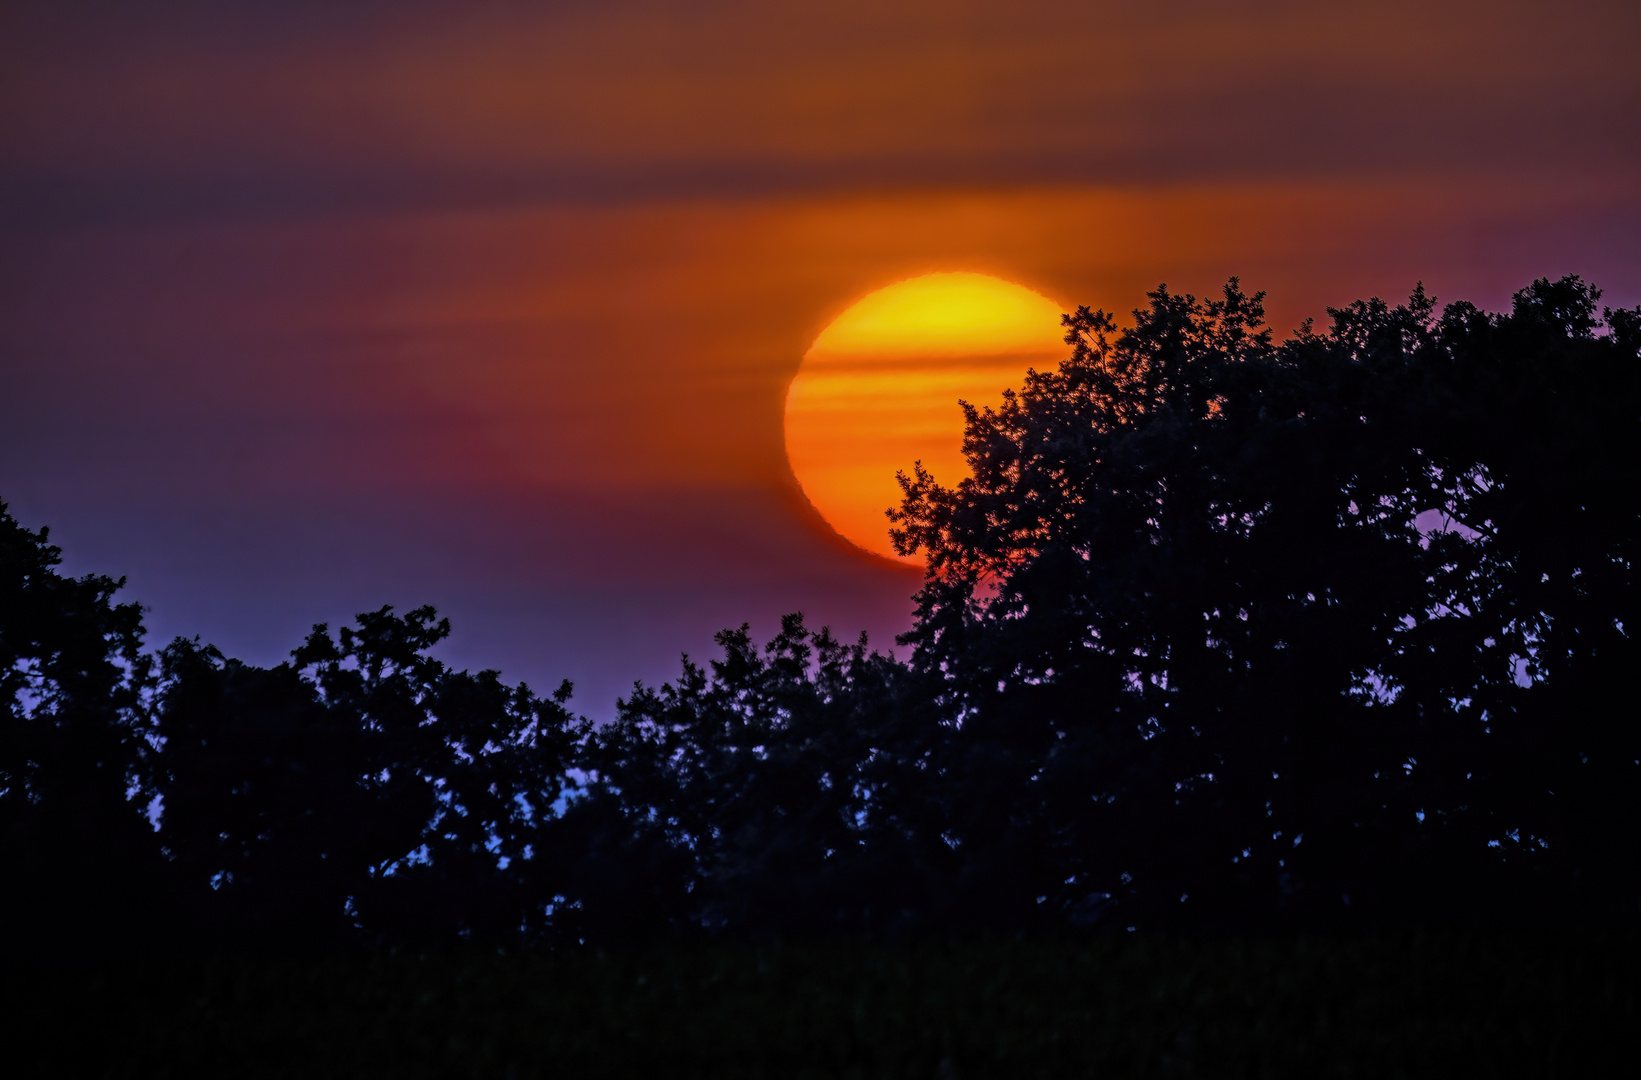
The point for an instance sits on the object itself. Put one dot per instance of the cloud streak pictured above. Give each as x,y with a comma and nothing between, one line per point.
313,109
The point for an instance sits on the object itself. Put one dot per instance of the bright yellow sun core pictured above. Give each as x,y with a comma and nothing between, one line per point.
880,387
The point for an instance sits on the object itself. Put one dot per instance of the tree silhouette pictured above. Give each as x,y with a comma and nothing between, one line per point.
75,851
1222,632
783,786
363,787
1270,631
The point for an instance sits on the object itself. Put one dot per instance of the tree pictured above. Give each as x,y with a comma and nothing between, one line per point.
364,790
1238,631
79,861
778,792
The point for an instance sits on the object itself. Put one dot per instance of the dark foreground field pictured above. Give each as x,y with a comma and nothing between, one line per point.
1434,1005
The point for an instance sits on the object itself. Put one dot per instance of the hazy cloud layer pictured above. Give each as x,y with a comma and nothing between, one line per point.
247,108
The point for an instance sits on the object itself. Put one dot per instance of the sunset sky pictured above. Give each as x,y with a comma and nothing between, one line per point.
308,307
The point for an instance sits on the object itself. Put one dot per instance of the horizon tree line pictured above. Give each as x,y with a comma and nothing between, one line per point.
1223,633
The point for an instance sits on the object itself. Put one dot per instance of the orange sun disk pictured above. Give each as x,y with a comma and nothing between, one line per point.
879,390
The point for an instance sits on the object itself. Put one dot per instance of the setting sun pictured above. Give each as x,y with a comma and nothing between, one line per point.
879,389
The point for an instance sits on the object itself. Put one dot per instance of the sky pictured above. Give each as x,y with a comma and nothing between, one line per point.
307,308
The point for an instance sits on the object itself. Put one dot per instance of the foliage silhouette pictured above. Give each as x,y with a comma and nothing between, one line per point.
786,781
79,861
1273,631
364,787
1222,633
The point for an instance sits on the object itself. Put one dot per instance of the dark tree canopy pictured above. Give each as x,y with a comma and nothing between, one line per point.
1283,628
362,787
1222,632
76,688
